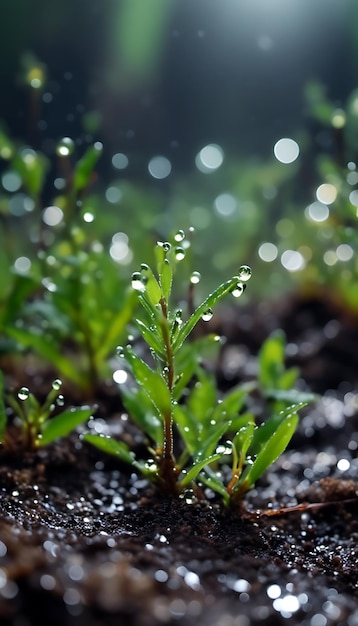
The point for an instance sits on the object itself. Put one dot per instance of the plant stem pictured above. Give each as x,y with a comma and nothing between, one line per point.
167,468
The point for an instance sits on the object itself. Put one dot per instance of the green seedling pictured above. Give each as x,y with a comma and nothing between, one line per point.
176,403
34,420
76,324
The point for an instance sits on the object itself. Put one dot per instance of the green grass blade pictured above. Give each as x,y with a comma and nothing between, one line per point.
166,278
63,424
213,482
272,449
111,446
151,381
151,338
197,466
85,166
263,433
210,301
48,351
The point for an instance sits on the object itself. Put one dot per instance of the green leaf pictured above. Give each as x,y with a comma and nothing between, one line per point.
232,402
213,482
63,424
32,167
207,446
188,427
115,329
22,287
151,381
242,440
85,166
43,346
153,292
210,301
197,466
166,278
271,360
153,340
291,396
202,399
272,449
263,433
3,417
142,411
111,446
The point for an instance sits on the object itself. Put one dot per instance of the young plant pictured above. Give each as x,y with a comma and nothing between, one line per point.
34,420
164,408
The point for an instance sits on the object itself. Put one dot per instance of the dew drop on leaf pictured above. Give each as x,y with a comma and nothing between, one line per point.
23,393
179,317
60,401
137,282
179,236
120,351
179,254
238,290
195,278
245,273
206,317
57,384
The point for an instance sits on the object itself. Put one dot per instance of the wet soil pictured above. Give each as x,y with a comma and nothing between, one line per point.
85,541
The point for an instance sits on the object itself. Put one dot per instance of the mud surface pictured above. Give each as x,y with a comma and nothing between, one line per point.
84,541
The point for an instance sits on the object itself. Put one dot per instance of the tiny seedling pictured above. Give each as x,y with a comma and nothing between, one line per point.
176,403
34,420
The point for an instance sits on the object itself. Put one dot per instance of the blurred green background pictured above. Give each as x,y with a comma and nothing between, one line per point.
238,118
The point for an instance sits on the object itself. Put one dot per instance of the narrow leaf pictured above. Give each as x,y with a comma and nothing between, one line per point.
63,424
270,451
152,382
166,278
210,301
197,467
111,446
263,433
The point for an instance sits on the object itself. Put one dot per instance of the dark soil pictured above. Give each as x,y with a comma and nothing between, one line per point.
84,541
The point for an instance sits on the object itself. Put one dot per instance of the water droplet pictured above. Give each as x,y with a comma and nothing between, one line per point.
195,278
179,317
57,384
179,254
238,290
179,236
144,267
245,273
206,317
137,282
60,401
120,351
23,393
65,147
189,496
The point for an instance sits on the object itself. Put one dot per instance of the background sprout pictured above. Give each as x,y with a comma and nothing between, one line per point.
34,420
